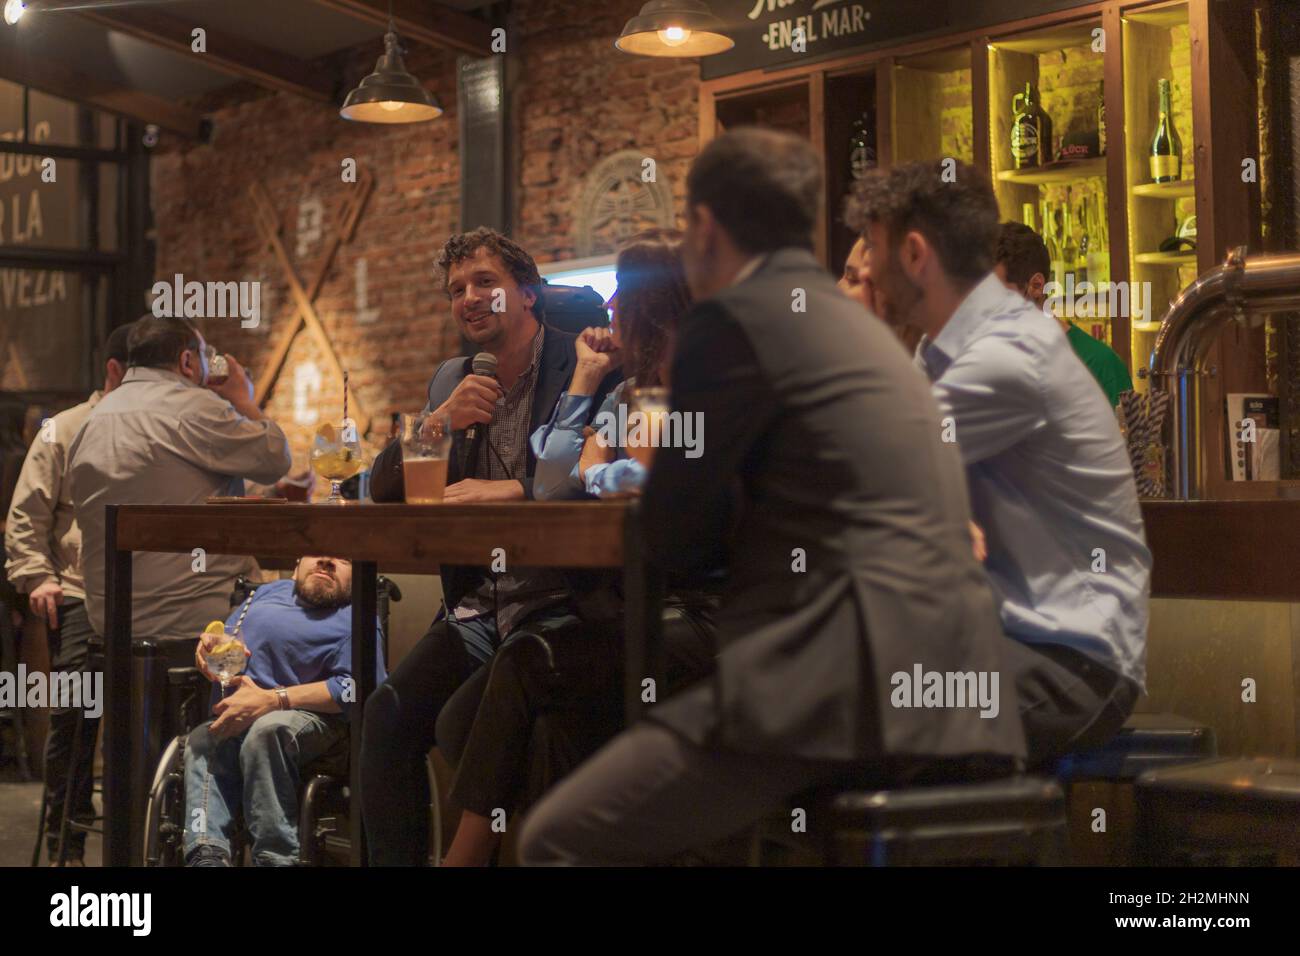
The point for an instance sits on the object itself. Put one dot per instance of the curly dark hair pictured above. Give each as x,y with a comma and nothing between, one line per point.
958,215
513,256
1022,253
652,298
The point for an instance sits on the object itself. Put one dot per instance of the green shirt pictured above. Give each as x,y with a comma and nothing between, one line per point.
1102,361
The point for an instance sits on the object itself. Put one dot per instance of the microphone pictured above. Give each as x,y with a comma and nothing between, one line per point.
485,364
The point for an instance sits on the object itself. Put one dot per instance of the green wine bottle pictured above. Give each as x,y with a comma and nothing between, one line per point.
1031,131
1166,147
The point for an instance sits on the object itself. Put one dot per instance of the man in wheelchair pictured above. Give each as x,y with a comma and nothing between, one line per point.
289,708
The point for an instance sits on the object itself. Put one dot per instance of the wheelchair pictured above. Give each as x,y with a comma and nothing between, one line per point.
323,800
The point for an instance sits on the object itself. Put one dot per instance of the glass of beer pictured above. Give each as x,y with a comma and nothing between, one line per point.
647,420
426,446
218,369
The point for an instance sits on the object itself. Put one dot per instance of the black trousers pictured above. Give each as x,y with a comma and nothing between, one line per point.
551,697
1068,701
68,651
398,732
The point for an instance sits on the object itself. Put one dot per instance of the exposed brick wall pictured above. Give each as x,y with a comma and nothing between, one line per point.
579,100
582,100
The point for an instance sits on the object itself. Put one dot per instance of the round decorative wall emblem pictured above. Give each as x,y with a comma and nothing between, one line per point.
625,194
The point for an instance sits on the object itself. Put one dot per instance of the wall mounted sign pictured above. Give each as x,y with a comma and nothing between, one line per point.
624,194
767,32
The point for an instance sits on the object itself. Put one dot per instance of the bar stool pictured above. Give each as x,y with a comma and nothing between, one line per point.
1015,821
1104,777
1019,821
1225,812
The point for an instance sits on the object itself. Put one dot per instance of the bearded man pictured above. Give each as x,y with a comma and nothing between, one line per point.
289,707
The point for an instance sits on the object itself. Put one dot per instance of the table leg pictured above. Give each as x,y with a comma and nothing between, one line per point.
117,709
365,605
643,597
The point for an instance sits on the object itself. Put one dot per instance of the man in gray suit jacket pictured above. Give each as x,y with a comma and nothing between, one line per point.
858,639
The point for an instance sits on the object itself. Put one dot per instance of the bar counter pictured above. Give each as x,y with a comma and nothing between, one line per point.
1233,550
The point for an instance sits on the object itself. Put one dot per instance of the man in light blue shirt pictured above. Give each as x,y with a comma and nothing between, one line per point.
1048,475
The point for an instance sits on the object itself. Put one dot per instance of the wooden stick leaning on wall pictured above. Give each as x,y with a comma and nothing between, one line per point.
268,224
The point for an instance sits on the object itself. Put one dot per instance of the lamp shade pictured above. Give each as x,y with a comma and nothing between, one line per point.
390,94
683,28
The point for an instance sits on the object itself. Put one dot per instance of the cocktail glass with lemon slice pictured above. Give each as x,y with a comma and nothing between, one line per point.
227,658
336,454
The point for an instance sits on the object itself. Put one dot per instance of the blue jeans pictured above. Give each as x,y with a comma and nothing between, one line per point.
258,771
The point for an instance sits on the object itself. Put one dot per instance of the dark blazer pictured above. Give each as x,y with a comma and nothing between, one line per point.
555,368
822,445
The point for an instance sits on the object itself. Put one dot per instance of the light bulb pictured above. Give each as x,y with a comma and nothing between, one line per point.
392,105
674,36
14,10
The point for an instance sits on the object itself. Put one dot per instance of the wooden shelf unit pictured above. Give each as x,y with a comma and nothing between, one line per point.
919,84
1067,69
784,107
1215,109
1156,44
1178,189
850,96
1057,173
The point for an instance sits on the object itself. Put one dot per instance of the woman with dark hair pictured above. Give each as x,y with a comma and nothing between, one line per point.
552,695
651,298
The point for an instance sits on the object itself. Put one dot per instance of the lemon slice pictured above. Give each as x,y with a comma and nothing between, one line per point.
327,432
225,648
216,627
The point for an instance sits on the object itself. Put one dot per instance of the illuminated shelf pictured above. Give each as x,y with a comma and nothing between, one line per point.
1145,326
1178,189
1171,259
1066,171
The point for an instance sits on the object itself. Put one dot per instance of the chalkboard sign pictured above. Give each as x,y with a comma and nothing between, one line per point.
782,33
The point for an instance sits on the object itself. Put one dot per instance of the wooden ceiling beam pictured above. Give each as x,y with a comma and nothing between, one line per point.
57,79
224,51
424,22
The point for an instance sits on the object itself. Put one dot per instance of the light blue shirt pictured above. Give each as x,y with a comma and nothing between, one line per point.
557,446
1049,478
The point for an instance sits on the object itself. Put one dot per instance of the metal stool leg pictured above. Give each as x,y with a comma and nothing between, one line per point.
40,825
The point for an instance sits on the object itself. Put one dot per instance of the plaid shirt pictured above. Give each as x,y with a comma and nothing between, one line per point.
503,456
503,452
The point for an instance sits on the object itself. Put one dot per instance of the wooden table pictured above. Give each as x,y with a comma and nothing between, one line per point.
391,538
